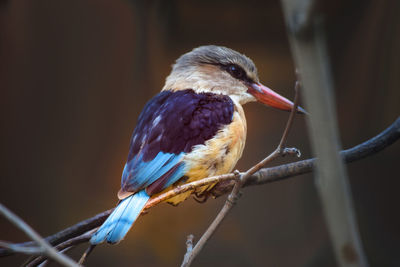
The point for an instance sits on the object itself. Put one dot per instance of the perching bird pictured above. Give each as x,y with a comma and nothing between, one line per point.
194,128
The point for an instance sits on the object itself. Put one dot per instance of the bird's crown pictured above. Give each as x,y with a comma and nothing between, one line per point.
215,55
214,69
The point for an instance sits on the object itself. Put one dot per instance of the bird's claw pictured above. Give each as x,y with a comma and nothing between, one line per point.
201,198
291,151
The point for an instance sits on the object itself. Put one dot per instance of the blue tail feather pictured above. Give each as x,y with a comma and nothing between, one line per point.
121,219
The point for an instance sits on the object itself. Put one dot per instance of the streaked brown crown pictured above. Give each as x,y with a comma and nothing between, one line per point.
216,55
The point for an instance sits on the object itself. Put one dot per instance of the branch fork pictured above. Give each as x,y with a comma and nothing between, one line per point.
241,180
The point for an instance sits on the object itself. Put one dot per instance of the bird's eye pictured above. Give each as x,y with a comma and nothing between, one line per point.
236,72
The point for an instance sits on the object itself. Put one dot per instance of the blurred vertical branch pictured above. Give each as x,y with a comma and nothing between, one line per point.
308,45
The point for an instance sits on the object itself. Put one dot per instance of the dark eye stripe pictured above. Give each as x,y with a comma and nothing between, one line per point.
237,72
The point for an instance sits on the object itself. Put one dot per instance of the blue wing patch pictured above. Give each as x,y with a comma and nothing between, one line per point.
146,173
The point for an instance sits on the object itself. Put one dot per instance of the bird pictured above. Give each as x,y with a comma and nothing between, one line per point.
193,129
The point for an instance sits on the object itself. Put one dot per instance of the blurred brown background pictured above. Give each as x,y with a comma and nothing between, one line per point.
74,76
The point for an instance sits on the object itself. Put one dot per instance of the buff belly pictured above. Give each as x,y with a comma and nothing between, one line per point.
217,156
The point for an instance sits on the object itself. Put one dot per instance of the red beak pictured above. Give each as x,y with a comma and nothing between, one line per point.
268,97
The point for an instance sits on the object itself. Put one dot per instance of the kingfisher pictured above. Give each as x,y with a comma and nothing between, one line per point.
193,129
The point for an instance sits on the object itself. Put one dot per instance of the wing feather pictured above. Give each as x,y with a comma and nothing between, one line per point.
170,125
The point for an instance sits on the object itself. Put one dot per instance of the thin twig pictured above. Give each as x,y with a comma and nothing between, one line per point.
289,123
279,151
242,179
21,249
35,261
42,261
187,187
266,175
48,250
189,247
229,203
86,254
70,232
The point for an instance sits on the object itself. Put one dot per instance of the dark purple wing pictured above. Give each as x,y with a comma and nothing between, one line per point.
169,126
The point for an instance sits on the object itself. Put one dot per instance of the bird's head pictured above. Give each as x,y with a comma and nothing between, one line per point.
221,70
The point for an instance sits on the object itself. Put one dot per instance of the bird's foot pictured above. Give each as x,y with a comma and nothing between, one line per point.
291,151
202,197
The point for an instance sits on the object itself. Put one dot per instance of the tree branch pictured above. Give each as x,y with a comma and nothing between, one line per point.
263,176
35,261
189,247
47,250
21,249
277,173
